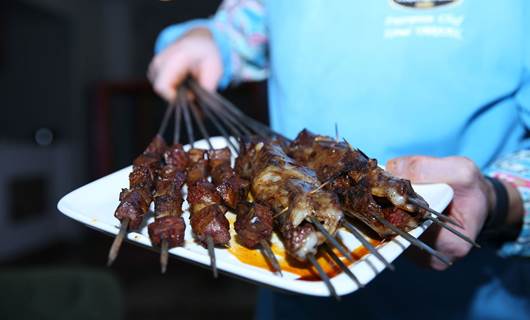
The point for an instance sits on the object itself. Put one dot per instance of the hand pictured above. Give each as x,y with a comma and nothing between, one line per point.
194,54
473,197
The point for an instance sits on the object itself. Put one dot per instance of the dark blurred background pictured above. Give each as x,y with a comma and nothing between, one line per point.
76,106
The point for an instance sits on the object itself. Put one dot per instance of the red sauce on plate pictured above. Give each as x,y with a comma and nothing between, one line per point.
305,271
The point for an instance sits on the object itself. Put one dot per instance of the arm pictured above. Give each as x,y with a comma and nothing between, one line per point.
229,47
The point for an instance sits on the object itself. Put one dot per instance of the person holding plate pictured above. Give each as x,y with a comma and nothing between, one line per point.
433,79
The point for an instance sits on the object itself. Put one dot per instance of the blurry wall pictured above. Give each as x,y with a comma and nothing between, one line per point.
54,54
76,105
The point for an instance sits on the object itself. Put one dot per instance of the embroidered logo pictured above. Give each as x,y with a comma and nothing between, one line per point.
423,4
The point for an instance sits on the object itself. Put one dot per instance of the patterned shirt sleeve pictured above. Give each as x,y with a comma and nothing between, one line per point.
239,30
515,169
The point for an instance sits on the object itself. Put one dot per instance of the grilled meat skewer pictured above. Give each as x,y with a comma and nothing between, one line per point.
167,231
365,190
278,181
362,186
230,186
135,201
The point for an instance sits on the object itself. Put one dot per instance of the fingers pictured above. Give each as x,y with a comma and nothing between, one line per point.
209,73
422,169
443,241
195,54
166,72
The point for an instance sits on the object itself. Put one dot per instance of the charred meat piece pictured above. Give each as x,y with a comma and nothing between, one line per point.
302,239
327,157
219,165
211,221
142,177
253,224
134,204
156,147
229,185
169,225
364,189
169,228
177,157
207,213
135,201
233,190
197,165
292,193
244,165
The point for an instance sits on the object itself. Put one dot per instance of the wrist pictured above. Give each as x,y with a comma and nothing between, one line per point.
498,206
491,198
505,209
516,205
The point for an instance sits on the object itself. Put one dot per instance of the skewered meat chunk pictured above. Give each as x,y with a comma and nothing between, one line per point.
142,177
211,221
169,228
364,188
219,161
168,224
156,147
177,157
134,202
197,165
229,185
207,213
253,224
292,192
301,239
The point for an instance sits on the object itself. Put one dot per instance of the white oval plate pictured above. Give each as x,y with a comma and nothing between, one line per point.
94,205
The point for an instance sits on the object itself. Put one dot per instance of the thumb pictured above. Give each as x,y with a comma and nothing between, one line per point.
422,169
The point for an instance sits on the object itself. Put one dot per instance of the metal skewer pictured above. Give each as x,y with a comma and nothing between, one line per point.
367,244
215,99
323,276
266,249
237,130
116,244
219,127
164,247
342,266
211,253
436,213
124,224
164,255
229,120
454,231
330,239
413,241
187,120
270,257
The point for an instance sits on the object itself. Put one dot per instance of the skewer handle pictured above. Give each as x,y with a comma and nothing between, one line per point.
323,276
116,245
211,253
270,257
163,256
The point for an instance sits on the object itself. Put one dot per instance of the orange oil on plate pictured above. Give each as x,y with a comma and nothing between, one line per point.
304,271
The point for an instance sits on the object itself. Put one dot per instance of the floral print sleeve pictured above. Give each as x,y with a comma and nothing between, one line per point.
515,168
239,30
